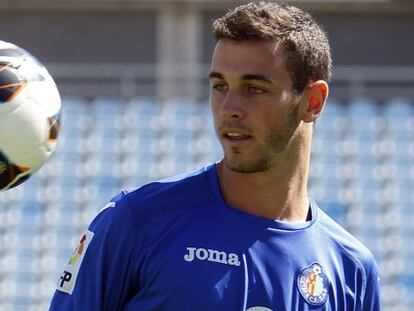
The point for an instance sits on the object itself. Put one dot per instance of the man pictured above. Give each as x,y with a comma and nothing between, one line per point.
242,234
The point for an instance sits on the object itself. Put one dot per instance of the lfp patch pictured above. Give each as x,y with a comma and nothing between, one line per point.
313,284
68,279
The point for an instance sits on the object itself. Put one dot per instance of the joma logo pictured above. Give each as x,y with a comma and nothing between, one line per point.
211,255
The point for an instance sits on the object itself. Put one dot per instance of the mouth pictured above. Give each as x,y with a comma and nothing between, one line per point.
236,136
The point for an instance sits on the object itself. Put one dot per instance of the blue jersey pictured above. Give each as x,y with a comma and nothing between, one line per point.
176,245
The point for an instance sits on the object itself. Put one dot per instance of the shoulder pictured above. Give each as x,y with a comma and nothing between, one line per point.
356,261
355,254
176,187
166,197
171,194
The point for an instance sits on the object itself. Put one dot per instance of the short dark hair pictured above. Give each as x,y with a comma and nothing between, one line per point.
306,44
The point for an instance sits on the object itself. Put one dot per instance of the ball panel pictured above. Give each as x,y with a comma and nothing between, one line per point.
25,127
10,83
7,45
54,127
11,175
45,95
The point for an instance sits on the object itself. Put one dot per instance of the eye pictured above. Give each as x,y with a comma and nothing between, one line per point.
219,87
255,90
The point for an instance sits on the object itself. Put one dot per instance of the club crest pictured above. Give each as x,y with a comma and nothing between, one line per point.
313,284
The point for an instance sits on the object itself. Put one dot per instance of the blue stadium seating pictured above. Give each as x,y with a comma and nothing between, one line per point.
362,174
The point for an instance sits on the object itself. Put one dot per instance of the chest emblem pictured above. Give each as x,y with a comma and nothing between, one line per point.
313,284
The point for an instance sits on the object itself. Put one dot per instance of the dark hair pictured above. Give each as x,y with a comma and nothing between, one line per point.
306,44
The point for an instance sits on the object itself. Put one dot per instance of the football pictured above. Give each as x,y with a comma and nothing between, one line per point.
30,108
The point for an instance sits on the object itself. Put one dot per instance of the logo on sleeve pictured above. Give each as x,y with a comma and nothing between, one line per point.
313,284
68,278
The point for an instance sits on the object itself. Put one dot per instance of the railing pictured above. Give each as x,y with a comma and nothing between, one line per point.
127,80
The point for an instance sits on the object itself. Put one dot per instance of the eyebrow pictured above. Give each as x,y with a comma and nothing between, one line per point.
246,77
214,74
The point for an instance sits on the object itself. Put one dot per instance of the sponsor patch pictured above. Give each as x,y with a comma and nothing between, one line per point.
313,284
68,278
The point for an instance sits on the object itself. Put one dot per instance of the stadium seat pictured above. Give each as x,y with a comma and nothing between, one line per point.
362,174
399,107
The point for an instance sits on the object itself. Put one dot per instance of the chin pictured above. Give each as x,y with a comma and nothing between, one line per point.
249,166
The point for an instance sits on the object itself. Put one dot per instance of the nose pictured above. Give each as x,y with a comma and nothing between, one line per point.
232,106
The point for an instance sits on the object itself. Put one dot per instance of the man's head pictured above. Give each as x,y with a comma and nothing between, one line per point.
306,44
267,78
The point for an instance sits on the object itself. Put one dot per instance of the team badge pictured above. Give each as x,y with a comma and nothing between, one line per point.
313,284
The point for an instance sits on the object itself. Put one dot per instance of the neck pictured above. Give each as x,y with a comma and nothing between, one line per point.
274,194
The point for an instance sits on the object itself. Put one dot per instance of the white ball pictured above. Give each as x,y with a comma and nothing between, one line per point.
30,108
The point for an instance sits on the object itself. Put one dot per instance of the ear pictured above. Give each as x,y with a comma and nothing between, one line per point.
314,100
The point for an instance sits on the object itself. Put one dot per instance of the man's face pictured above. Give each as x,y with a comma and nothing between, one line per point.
254,109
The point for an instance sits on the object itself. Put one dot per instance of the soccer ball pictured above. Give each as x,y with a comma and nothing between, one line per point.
30,108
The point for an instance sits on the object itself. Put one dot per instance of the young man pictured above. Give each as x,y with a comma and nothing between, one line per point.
242,234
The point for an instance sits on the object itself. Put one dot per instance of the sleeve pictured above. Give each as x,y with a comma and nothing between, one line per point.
371,299
101,273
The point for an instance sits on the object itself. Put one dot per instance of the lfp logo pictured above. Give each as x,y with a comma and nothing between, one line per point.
78,251
68,279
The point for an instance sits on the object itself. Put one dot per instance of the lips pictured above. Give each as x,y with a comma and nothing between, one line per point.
235,134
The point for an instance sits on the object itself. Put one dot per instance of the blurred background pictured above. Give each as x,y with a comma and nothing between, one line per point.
133,78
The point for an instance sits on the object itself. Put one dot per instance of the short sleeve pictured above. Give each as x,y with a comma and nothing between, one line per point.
101,274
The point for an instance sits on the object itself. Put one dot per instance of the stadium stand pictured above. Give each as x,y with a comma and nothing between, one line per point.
362,175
